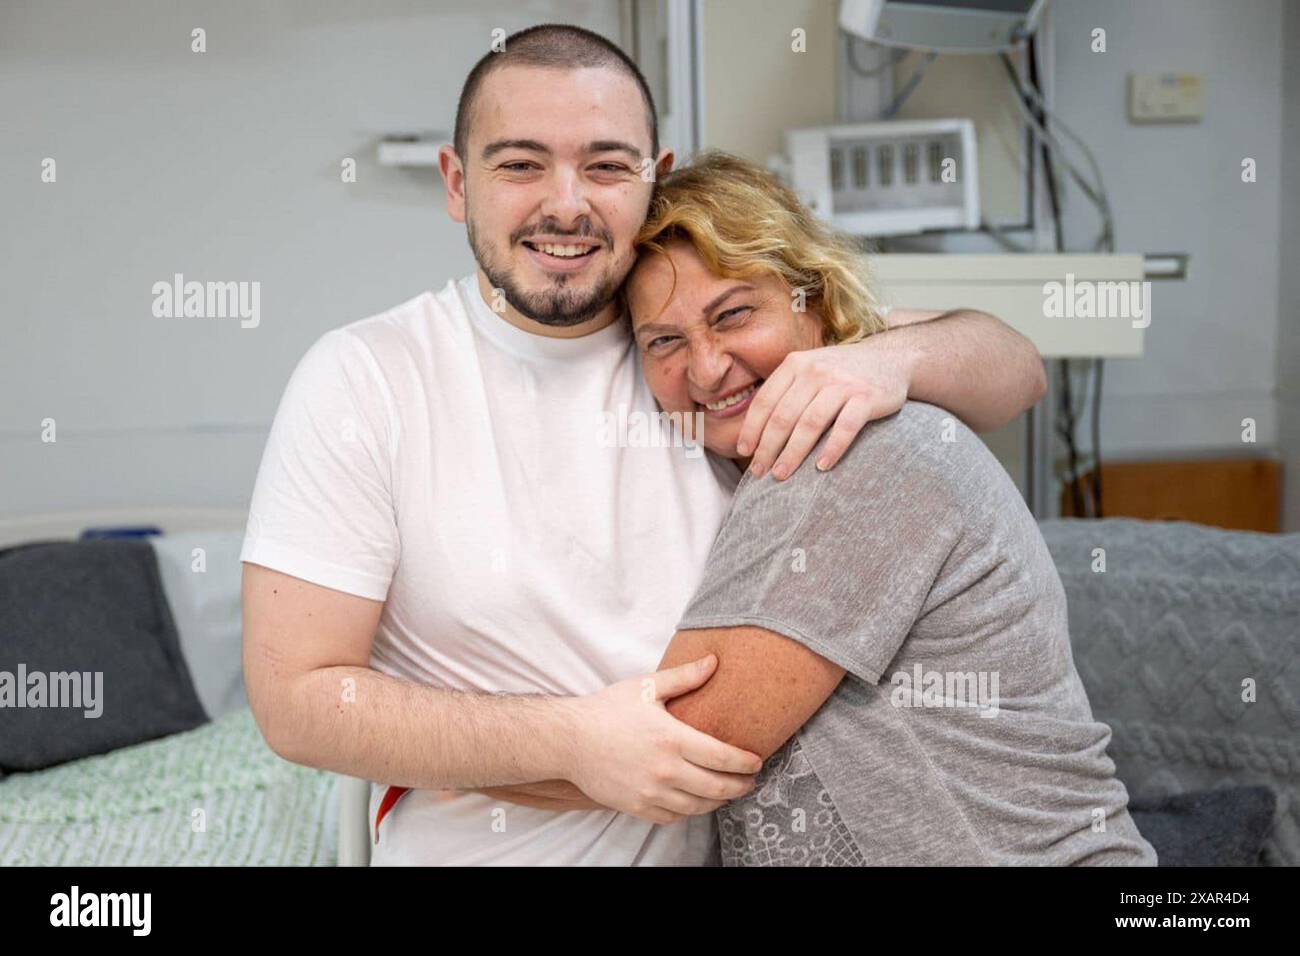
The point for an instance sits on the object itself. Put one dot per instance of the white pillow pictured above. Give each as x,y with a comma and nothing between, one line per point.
201,573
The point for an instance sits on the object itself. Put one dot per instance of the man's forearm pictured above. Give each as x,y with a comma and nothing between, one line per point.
356,721
545,795
972,364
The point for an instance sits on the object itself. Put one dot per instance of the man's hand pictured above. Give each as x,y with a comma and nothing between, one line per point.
844,386
631,755
968,362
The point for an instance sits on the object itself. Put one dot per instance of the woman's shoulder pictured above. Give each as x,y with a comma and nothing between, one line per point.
899,486
920,454
921,448
884,450
915,424
917,440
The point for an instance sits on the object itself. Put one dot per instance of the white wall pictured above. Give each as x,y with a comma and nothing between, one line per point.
1210,351
221,166
225,166
755,84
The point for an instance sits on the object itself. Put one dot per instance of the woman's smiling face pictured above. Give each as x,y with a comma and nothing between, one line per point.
707,343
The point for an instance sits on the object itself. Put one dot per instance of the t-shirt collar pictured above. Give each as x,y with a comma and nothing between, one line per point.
615,337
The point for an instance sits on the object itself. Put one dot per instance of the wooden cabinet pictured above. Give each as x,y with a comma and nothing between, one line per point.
1239,493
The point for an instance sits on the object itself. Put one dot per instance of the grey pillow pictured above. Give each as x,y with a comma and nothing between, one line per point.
1223,827
93,608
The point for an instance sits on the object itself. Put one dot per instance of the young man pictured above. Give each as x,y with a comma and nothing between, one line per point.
445,584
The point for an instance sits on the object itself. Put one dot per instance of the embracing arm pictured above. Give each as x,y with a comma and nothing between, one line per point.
970,363
317,702
965,361
306,653
765,688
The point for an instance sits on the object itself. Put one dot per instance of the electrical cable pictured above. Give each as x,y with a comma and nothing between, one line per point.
1106,243
1053,183
851,54
1065,430
1096,192
1001,238
1096,440
1033,107
912,83
1100,188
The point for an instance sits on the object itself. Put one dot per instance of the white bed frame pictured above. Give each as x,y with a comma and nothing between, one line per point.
354,822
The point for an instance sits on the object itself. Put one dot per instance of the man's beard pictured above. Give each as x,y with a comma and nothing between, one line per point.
559,305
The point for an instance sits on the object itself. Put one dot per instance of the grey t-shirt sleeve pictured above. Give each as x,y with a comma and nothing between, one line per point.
844,560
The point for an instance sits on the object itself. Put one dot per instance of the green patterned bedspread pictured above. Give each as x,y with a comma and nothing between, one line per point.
217,795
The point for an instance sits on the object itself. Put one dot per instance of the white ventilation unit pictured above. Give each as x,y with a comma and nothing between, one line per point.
889,178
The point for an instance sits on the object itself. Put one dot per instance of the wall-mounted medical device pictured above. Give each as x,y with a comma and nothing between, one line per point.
948,26
889,178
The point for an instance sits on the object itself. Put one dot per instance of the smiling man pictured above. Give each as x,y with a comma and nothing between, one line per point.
451,583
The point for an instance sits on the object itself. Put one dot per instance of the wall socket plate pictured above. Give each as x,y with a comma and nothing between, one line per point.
1166,97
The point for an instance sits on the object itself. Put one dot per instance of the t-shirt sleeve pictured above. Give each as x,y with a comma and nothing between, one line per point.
322,509
841,561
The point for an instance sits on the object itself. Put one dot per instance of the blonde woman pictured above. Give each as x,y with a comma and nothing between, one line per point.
891,633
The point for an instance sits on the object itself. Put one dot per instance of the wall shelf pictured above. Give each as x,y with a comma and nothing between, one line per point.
415,150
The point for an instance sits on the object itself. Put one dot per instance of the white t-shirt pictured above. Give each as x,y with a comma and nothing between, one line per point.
460,469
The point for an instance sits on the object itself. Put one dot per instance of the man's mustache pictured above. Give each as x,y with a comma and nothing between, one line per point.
551,228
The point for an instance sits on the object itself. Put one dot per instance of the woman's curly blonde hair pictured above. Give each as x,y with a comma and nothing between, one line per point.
744,223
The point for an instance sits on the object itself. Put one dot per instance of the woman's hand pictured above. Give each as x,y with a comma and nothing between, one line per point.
840,387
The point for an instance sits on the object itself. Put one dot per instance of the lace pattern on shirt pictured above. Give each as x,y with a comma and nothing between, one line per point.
788,819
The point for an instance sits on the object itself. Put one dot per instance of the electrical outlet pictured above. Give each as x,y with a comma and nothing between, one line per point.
1166,97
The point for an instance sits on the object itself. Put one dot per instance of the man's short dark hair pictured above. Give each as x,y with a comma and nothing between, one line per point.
555,45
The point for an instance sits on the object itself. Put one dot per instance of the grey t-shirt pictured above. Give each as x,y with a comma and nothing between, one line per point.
961,733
